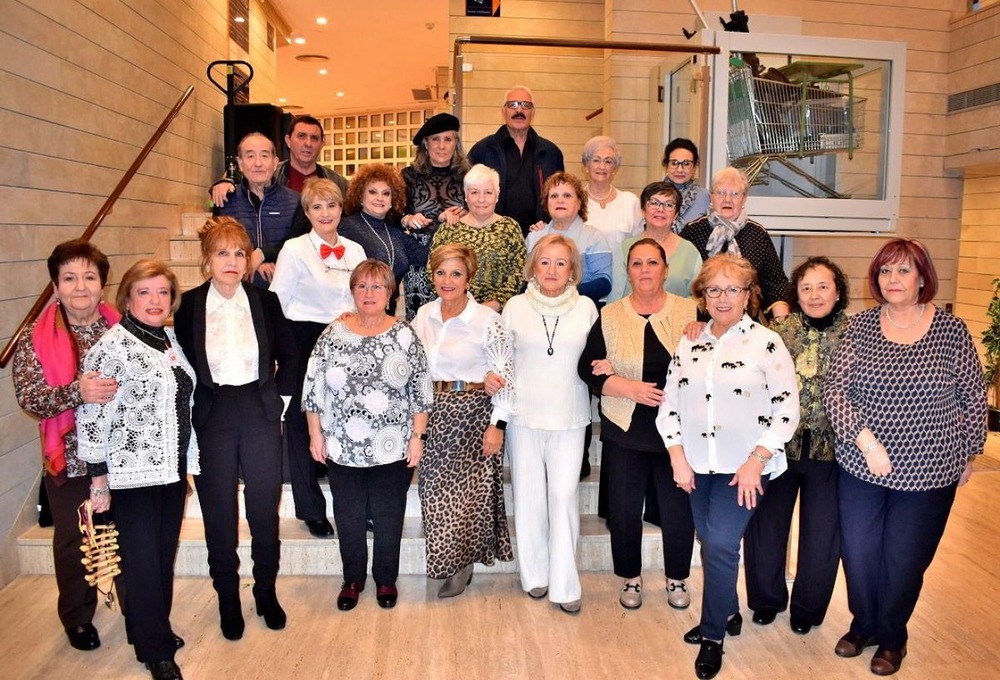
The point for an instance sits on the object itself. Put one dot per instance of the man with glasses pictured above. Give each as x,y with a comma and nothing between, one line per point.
269,212
522,157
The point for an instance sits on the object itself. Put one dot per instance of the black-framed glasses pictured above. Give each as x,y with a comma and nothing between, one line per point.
519,104
730,291
664,205
680,164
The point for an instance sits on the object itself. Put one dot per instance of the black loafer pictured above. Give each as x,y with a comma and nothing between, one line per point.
164,670
799,626
83,637
764,617
734,627
709,661
386,596
349,594
320,528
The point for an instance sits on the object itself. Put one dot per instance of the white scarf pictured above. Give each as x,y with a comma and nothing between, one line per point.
551,306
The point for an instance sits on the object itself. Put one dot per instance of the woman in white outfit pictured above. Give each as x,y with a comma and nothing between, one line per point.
548,326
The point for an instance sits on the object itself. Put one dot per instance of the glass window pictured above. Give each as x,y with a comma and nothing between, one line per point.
338,123
362,121
338,139
363,154
401,118
388,136
351,138
376,136
349,169
350,123
387,152
376,153
415,118
362,138
338,154
350,154
401,152
376,119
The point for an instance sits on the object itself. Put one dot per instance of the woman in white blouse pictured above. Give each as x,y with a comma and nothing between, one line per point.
548,326
461,472
312,280
244,359
730,404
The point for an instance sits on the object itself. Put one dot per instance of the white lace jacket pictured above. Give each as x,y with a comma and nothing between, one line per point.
136,433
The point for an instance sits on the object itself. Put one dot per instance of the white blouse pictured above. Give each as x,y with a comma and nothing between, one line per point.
311,288
230,340
725,396
466,347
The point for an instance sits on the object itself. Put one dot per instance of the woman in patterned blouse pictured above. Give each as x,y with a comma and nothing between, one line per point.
730,405
50,385
496,241
433,196
906,398
812,332
366,396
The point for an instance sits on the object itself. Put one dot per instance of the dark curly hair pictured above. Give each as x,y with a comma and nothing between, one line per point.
376,172
839,280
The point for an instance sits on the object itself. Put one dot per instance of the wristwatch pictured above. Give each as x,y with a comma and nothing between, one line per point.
422,436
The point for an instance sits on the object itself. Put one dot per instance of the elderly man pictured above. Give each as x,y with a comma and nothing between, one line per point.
304,141
521,156
268,211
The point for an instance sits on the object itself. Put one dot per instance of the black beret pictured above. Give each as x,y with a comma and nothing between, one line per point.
434,125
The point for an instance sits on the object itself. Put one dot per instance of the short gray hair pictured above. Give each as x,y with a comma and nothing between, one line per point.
506,95
595,143
479,175
731,175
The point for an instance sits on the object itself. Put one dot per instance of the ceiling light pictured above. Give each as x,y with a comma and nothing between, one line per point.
340,94
292,107
282,100
321,21
239,20
299,40
323,71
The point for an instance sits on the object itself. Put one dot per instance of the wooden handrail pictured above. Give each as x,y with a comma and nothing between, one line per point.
36,309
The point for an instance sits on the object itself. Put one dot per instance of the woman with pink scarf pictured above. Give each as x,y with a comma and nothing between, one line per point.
49,386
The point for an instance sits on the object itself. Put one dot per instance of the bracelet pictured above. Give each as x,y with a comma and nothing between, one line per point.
99,491
872,445
760,458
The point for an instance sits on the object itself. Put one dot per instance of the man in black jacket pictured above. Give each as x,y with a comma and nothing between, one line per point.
522,157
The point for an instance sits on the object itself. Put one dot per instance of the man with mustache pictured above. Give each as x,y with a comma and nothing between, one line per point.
523,158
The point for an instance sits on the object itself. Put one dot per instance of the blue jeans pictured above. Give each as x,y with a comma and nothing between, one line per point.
888,538
719,523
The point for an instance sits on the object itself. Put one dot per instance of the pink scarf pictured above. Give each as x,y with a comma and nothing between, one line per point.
55,347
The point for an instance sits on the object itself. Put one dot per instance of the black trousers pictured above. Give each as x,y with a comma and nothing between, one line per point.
310,505
629,473
889,539
381,491
149,525
77,600
765,544
238,439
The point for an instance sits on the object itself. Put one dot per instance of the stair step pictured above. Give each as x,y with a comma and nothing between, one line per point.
191,222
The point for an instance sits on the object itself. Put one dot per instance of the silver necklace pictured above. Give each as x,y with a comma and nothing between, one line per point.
552,337
908,326
389,248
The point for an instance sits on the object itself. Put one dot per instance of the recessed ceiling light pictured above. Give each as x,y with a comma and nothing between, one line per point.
321,21
322,71
282,100
340,94
239,20
312,57
299,40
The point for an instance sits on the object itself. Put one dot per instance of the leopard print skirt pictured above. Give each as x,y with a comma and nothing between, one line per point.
461,490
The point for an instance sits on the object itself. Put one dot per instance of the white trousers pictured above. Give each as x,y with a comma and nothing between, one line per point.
545,475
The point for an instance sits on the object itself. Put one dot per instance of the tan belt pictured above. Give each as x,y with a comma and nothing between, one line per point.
457,386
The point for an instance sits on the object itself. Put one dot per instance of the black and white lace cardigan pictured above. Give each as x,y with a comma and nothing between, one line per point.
136,433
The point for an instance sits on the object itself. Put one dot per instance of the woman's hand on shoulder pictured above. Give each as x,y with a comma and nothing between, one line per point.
694,329
537,226
97,390
492,440
452,215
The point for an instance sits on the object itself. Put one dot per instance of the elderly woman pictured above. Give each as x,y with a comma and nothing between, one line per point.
613,212
727,229
496,241
625,361
680,162
461,473
565,203
367,395
139,446
906,398
433,195
244,360
312,281
812,333
49,385
730,405
659,202
376,199
548,326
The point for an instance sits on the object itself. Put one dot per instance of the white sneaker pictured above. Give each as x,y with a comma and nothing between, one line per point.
677,594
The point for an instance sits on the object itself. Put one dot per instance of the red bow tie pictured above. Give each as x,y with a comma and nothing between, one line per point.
326,251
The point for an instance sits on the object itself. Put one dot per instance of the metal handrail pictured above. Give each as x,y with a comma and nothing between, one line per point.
36,309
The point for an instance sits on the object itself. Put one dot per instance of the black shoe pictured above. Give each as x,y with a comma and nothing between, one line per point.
320,528
386,596
231,616
585,469
178,640
349,594
269,607
734,627
83,637
764,617
164,670
799,626
709,661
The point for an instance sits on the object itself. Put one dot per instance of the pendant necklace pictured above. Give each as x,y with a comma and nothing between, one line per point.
390,249
552,337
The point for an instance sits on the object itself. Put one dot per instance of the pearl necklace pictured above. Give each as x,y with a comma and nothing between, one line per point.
601,199
908,326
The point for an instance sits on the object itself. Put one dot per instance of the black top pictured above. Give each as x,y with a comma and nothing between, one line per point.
519,184
641,434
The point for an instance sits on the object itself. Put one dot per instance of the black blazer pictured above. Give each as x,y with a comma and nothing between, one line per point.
274,340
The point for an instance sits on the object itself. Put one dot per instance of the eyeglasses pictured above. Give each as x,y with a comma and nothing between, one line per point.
373,287
728,194
597,160
680,164
665,205
519,104
731,291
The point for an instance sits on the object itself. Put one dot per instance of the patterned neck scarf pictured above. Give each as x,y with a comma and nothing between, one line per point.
723,236
689,192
